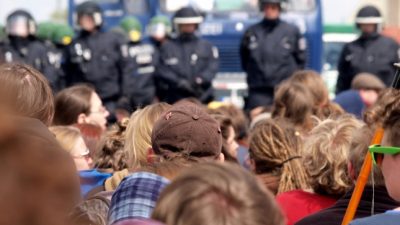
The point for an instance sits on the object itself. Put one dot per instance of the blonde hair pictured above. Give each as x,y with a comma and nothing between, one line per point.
275,148
218,194
138,133
326,154
67,136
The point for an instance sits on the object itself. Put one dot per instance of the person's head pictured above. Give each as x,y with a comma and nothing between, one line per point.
136,196
187,131
239,119
20,23
227,195
62,35
312,81
111,154
358,148
24,91
159,28
368,19
71,140
39,180
229,144
89,16
369,87
292,101
132,28
138,133
79,104
92,135
187,20
275,148
271,8
386,113
326,152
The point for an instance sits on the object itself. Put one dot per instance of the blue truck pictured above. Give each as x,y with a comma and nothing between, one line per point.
224,25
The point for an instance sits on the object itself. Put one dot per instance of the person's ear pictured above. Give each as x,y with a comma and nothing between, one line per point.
252,165
150,155
350,170
221,157
82,118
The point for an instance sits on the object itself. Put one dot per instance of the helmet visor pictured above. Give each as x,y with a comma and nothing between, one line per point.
19,26
158,30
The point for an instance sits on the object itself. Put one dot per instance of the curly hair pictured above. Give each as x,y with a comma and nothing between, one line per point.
112,154
387,103
275,147
326,153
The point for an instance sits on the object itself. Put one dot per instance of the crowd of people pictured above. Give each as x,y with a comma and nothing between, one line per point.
292,159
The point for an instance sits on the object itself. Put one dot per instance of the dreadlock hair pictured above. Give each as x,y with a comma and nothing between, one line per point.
275,147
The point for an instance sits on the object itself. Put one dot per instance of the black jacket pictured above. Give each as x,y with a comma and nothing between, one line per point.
98,58
140,86
270,51
375,54
188,65
32,52
334,215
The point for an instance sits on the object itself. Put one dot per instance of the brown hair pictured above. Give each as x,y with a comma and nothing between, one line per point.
226,195
275,147
239,120
67,136
39,183
71,102
225,123
25,91
326,153
359,148
388,102
111,154
292,101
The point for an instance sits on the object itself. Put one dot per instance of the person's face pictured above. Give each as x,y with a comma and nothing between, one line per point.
367,28
80,154
272,11
369,97
232,145
87,23
187,28
391,170
98,113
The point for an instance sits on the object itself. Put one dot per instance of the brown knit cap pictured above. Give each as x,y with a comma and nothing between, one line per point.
367,81
186,130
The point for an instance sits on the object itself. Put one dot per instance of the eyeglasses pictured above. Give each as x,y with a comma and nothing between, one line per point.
377,152
84,154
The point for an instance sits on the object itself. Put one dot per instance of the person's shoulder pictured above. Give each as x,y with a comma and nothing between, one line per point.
289,27
253,28
381,219
388,40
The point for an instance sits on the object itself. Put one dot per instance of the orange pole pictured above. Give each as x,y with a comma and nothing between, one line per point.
362,180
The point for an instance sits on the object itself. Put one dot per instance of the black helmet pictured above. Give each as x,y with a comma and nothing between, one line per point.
369,15
262,3
187,15
19,22
91,9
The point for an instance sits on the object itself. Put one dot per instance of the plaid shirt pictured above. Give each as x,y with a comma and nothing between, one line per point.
136,196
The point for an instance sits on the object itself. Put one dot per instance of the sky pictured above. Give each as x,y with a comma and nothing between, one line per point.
334,12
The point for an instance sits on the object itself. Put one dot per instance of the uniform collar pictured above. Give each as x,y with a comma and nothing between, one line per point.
270,23
187,37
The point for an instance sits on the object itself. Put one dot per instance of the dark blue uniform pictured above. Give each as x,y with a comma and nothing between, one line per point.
140,87
97,58
375,54
270,52
32,52
188,65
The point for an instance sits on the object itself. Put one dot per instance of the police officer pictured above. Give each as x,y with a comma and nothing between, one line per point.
22,45
96,57
371,52
188,64
61,38
140,87
270,51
